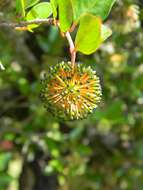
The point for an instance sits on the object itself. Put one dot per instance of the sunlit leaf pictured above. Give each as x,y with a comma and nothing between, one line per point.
30,3
97,7
20,7
65,14
39,11
88,36
54,4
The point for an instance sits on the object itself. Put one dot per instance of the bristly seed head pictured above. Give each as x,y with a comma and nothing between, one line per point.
69,94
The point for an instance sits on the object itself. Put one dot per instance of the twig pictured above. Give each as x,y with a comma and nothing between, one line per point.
72,48
49,21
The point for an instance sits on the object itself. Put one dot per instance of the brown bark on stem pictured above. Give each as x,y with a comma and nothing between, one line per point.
49,21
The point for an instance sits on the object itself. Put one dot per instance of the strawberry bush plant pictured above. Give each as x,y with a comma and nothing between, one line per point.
71,92
53,55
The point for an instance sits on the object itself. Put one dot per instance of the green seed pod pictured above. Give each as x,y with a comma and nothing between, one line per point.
70,93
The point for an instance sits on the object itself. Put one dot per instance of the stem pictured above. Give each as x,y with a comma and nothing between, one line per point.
49,21
72,48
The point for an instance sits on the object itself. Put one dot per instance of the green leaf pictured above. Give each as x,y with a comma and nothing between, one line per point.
88,36
5,180
106,32
20,7
54,4
97,7
39,11
30,3
65,14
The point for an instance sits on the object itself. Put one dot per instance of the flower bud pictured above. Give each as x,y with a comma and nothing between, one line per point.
70,93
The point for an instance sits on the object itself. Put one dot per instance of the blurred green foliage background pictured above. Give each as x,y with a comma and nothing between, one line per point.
102,152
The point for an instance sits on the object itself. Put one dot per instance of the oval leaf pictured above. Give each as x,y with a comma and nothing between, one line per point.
30,3
20,7
99,8
88,37
54,4
65,14
39,11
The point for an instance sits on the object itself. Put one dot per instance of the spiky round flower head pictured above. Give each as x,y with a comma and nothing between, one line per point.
71,94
